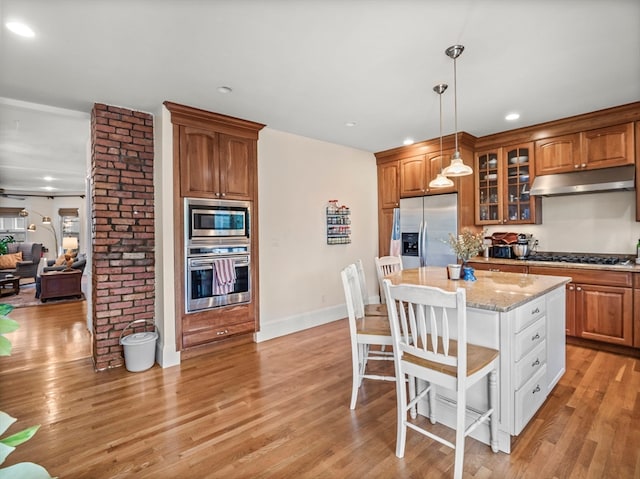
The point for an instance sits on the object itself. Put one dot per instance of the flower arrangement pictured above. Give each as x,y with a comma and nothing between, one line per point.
467,245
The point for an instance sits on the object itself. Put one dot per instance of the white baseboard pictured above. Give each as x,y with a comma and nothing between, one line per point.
299,322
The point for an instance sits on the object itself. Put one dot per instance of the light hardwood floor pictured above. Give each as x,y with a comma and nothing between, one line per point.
280,409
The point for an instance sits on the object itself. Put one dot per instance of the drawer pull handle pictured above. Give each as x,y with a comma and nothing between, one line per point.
494,270
537,389
537,336
535,311
220,333
535,363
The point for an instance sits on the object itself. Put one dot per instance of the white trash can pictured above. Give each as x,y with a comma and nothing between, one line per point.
139,348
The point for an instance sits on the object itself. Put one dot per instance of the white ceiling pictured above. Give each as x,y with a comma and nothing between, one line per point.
305,67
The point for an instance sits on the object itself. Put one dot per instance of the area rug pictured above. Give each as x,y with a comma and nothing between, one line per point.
27,297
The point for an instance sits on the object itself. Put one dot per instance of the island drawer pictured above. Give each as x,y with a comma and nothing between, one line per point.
529,398
529,365
528,313
528,339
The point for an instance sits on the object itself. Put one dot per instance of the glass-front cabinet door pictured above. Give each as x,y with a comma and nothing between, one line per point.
503,181
521,207
488,188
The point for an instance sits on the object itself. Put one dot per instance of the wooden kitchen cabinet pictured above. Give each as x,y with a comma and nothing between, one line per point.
214,157
587,150
599,304
501,268
214,165
503,180
388,185
416,173
388,199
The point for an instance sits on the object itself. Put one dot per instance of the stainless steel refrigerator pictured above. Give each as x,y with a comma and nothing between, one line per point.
425,224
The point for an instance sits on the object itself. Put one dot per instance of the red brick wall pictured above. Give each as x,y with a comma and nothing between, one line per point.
122,226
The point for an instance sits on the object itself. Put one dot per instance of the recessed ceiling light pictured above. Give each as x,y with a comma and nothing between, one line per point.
408,141
512,116
48,178
350,123
48,188
20,29
224,89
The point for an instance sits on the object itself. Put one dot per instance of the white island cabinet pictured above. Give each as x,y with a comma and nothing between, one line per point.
522,316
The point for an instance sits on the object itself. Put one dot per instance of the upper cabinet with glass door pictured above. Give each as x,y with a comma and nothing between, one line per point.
504,176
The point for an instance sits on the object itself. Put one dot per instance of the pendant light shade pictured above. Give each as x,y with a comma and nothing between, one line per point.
440,181
457,166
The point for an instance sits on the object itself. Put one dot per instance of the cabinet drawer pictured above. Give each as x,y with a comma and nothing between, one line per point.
528,339
216,333
528,313
529,398
530,364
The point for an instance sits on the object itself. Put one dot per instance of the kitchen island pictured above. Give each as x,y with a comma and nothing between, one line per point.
522,316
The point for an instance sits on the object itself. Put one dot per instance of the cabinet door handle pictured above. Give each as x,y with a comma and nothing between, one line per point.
583,165
220,333
578,288
537,336
535,363
537,389
576,166
571,288
217,194
535,311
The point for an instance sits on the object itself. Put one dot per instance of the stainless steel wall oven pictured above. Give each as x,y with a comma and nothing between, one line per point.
202,291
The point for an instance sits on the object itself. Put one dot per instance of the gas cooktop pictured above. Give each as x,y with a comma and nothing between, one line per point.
576,258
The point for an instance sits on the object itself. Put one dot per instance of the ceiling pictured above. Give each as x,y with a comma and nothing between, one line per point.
307,67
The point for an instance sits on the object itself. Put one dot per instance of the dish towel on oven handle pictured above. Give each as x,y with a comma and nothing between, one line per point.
224,276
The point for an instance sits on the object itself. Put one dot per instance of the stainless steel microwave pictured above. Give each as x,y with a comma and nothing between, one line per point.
220,219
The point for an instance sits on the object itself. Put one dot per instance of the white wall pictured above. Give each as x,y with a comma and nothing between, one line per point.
589,223
300,282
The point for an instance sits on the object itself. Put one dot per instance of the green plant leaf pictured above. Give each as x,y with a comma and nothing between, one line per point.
8,325
5,309
5,421
24,470
5,346
20,437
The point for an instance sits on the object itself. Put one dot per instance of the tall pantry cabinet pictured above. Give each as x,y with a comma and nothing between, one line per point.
214,157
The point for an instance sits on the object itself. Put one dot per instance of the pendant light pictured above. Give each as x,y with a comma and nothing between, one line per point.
440,181
457,166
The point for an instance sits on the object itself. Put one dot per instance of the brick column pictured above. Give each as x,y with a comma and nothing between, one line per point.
122,226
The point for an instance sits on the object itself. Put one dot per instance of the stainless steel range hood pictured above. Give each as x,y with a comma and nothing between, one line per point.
590,181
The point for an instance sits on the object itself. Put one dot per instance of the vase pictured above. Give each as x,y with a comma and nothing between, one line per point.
468,273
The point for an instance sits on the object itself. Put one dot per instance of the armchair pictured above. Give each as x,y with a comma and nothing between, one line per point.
28,267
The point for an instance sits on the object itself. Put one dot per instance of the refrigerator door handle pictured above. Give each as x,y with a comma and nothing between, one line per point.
422,243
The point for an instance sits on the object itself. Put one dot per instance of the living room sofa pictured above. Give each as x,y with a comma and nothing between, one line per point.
28,267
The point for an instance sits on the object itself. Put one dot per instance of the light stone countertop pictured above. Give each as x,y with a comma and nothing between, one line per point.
493,291
632,267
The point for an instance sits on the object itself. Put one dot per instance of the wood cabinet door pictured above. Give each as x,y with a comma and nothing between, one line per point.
604,313
388,186
385,224
435,162
559,154
488,192
606,147
237,167
198,162
413,174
